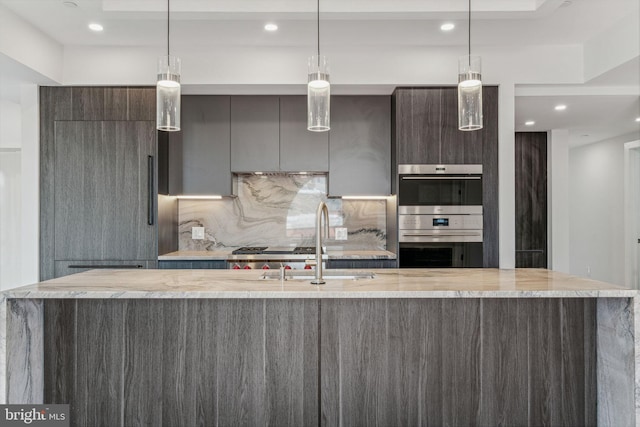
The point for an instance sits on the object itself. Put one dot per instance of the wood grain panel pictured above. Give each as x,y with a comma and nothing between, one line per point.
141,103
291,376
98,395
461,368
60,345
504,368
414,396
116,100
55,104
87,103
453,142
206,351
143,357
490,187
183,364
531,199
379,361
241,386
424,146
545,369
354,363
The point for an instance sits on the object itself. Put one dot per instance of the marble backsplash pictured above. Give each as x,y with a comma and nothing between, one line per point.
280,210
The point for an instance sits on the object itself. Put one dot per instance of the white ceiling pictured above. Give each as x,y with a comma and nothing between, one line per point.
197,24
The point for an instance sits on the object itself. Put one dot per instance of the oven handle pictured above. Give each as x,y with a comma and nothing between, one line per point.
439,234
440,177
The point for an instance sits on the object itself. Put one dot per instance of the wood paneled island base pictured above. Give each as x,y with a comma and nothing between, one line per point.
305,356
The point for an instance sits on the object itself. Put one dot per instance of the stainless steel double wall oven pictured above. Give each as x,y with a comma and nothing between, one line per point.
440,215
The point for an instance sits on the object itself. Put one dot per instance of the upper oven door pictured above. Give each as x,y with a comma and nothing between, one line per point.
453,191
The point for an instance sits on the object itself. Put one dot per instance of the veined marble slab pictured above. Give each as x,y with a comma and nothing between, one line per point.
280,210
388,283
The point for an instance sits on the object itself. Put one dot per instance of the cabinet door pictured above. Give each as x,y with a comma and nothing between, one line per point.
418,125
360,146
300,149
103,201
206,149
460,147
531,199
255,134
65,268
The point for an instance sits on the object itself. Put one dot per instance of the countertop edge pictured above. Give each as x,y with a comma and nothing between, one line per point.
319,294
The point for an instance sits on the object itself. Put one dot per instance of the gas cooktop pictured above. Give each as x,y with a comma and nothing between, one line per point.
275,250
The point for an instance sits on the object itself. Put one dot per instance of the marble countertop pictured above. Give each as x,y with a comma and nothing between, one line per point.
388,283
222,255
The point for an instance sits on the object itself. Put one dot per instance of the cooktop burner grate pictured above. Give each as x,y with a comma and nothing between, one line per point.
249,250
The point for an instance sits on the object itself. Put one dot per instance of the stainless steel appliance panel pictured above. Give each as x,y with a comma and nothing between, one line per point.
440,222
430,235
439,169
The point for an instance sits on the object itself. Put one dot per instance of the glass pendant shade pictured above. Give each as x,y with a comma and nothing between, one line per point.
168,94
318,95
470,93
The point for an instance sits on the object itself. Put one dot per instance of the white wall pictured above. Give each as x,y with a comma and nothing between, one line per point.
10,207
596,209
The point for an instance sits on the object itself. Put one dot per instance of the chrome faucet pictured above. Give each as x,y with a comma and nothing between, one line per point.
322,211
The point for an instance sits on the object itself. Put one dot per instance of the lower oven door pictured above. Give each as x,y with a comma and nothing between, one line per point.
441,255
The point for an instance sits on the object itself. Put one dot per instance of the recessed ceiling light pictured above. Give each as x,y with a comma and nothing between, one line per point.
271,27
448,26
95,27
529,123
637,119
566,3
70,3
584,135
561,107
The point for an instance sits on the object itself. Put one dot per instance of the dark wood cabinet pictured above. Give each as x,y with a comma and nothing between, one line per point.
425,131
427,127
531,199
360,146
98,178
204,162
417,117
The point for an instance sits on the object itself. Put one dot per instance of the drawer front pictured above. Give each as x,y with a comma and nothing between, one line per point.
65,268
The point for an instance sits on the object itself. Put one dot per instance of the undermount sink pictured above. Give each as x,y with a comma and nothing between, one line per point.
326,274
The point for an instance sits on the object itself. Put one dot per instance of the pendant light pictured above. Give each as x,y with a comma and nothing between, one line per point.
318,89
168,89
470,89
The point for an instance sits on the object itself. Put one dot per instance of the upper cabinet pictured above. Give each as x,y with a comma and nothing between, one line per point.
255,133
269,134
427,132
206,147
300,149
360,146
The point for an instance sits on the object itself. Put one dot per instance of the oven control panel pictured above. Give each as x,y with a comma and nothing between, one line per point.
440,222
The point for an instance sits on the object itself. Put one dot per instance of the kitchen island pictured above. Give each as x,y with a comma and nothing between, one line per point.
409,347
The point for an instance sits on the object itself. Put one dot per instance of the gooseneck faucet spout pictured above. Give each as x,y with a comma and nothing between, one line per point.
322,211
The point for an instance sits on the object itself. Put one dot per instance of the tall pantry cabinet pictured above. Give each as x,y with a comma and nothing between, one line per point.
98,179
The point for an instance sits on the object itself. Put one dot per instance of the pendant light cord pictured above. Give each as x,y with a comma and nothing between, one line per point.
469,42
168,28
318,23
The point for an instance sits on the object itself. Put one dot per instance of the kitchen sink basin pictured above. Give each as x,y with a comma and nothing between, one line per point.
327,274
